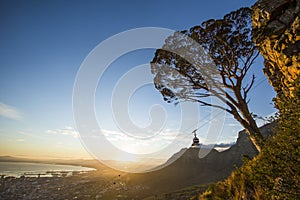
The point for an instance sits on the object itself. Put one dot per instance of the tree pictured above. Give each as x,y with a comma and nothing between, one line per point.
215,67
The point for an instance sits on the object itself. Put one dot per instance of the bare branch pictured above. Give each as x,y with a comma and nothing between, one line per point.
248,88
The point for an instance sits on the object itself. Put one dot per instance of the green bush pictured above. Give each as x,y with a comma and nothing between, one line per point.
274,173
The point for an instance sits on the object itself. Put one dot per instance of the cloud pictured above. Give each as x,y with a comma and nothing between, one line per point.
232,124
69,131
136,145
28,134
10,112
225,144
166,136
158,141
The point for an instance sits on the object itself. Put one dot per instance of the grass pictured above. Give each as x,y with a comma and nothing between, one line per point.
275,172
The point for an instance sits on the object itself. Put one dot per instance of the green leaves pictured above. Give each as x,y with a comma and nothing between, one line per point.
224,45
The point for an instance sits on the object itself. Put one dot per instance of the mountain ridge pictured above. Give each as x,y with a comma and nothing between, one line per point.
186,169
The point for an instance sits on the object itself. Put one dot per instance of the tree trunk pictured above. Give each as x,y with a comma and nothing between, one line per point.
251,127
254,141
247,121
242,114
255,134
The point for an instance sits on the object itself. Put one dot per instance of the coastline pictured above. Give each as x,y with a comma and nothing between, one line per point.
97,184
19,169
44,187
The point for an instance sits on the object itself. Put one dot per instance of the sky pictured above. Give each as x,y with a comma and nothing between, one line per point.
43,46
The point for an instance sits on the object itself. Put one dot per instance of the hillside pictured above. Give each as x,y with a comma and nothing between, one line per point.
275,172
189,170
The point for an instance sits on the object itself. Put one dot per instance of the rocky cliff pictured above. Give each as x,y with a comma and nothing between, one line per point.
276,31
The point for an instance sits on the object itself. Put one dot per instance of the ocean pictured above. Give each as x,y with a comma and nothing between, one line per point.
18,169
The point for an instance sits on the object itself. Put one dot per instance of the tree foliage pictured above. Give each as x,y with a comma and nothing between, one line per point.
211,60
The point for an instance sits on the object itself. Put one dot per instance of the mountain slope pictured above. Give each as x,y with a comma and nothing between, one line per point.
275,172
188,169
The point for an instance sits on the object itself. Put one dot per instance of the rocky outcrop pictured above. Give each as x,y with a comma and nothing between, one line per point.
276,31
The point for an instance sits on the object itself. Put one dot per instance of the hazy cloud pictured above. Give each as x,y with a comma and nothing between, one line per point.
69,131
10,112
232,124
28,134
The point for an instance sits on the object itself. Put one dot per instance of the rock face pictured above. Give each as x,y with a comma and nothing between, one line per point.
276,31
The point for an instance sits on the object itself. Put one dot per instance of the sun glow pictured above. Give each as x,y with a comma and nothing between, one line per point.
126,158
